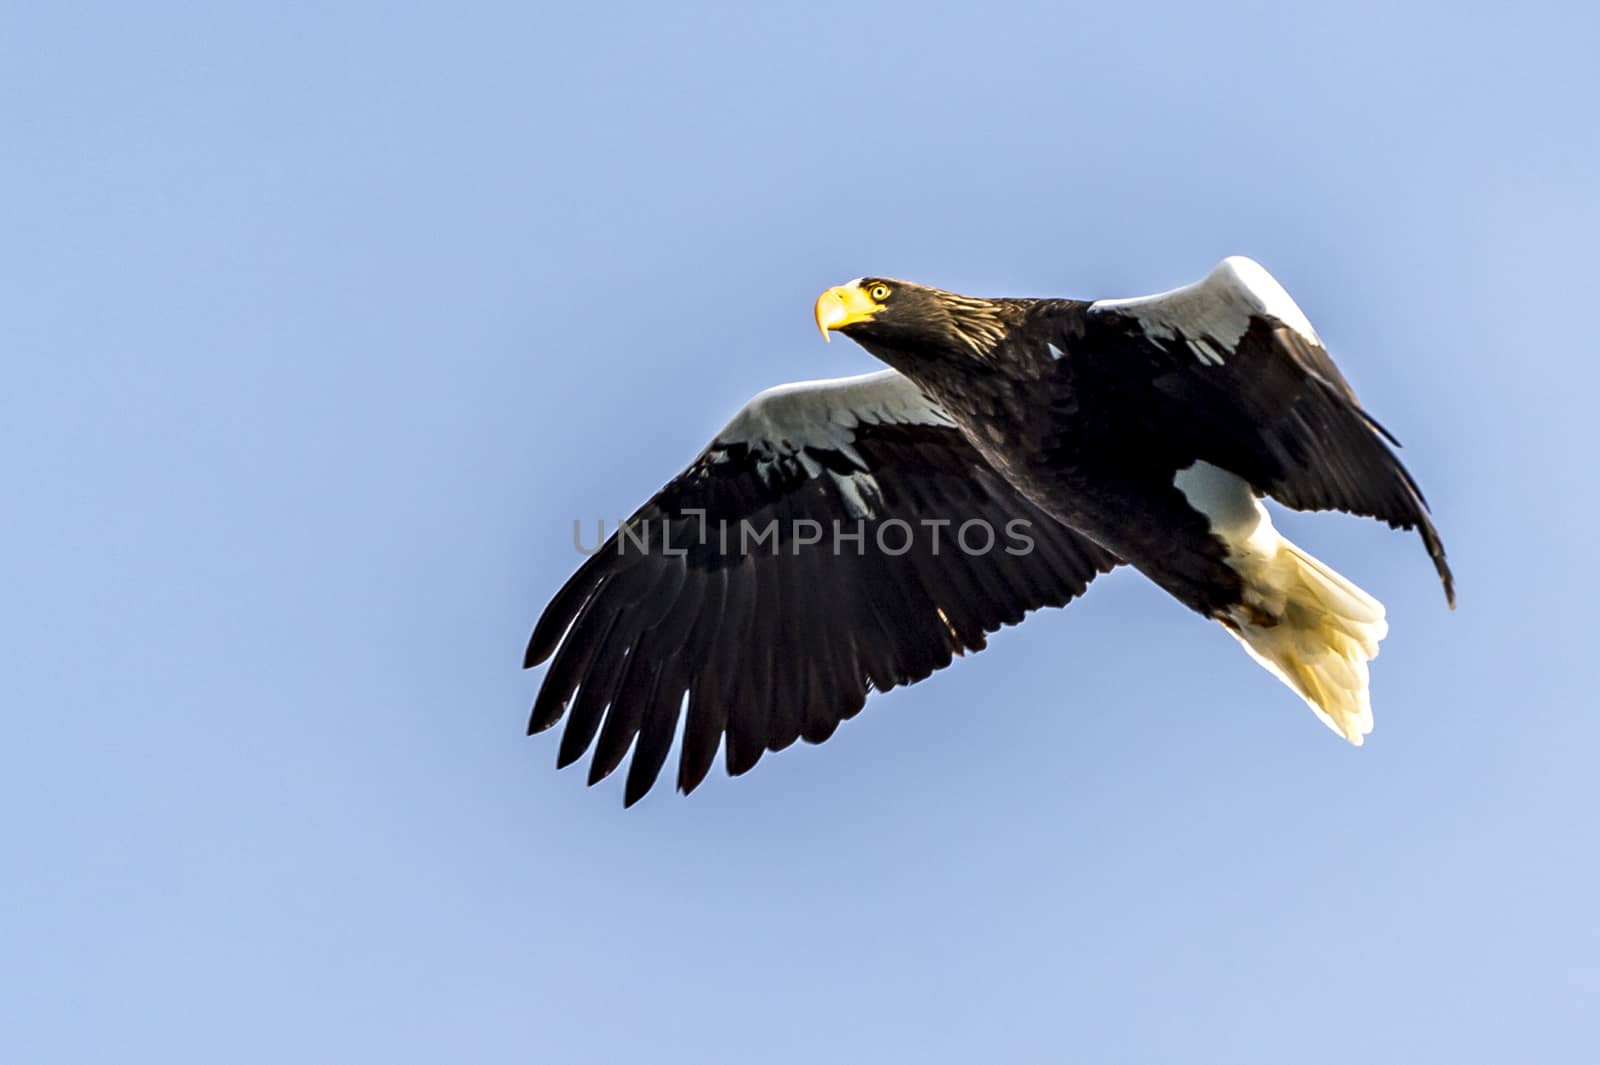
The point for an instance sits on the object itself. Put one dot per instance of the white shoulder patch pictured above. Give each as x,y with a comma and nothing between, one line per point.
1213,313
825,414
1269,296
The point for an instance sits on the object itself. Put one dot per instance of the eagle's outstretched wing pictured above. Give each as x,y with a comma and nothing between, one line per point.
813,551
1255,392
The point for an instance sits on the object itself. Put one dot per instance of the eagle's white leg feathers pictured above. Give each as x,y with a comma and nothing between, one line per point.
1307,625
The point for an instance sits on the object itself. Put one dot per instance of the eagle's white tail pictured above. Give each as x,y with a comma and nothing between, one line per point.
1313,629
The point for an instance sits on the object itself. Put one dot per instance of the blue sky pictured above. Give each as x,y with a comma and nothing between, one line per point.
322,322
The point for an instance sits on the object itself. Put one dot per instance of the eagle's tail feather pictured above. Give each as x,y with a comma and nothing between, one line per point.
1314,630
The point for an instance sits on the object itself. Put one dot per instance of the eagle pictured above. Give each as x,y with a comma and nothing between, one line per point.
843,536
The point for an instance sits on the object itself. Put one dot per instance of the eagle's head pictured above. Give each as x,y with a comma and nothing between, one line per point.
896,319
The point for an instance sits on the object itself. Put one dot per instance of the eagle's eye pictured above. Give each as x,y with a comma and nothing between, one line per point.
879,292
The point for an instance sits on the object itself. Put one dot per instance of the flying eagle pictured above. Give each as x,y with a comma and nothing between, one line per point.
856,534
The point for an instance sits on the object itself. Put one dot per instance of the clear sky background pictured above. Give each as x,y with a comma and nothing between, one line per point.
322,322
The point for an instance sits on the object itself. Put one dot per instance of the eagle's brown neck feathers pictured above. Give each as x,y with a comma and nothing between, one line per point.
977,324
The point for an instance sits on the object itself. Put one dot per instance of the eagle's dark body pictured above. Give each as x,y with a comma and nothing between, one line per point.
1083,435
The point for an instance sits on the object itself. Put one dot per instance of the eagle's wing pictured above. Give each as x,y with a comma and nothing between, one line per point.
769,639
1250,379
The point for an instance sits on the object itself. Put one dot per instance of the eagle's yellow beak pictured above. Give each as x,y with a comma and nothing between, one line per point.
844,305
